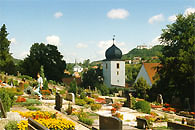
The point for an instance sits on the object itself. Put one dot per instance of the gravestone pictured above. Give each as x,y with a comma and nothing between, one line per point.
58,102
2,110
116,94
1,77
70,97
5,79
187,104
120,93
89,94
129,100
110,123
109,101
159,99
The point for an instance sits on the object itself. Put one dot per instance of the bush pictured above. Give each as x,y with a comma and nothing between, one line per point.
33,108
25,76
73,87
7,98
62,91
103,89
80,102
143,106
84,117
85,120
82,95
11,125
89,100
95,107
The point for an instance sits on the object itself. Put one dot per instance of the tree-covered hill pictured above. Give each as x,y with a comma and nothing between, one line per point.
144,53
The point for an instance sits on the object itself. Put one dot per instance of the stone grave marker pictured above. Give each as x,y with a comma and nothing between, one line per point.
187,104
89,94
58,102
159,99
120,93
21,85
70,97
116,94
5,79
129,100
2,109
110,123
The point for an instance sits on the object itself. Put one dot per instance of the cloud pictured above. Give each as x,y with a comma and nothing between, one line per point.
118,14
81,45
58,14
155,41
104,45
172,18
13,40
23,54
189,11
156,18
53,40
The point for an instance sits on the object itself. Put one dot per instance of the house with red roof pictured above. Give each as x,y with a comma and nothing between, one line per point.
148,71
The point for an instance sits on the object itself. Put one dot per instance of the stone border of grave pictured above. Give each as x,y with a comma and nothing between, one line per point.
33,125
175,125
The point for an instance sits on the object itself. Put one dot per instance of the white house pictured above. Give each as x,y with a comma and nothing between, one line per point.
148,71
114,67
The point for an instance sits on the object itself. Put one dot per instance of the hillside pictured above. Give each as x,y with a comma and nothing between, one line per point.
143,53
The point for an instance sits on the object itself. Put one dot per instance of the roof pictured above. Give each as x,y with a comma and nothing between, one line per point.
151,70
113,53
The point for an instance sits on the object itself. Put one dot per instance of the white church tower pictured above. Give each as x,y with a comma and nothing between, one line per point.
114,67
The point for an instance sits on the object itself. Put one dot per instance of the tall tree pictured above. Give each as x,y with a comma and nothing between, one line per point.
48,56
177,74
6,60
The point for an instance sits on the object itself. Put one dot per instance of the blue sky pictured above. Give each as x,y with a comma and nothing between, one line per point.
83,29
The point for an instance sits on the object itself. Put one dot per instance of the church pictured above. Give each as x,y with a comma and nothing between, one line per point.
114,67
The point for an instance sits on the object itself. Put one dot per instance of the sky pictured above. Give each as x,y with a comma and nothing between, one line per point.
83,29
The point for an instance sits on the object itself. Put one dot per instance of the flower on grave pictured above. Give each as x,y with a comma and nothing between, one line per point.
117,106
118,115
113,111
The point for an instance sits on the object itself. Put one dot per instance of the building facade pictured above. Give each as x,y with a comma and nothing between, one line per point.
114,67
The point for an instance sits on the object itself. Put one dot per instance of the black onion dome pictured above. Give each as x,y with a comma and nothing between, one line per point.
113,53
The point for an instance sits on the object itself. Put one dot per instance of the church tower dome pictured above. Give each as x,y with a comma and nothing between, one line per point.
113,53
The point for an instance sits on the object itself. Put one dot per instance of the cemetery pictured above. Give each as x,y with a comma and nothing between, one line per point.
155,92
89,109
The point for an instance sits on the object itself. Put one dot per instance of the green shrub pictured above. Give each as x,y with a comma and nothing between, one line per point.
29,102
103,89
11,125
89,100
85,120
84,117
7,98
143,106
26,77
62,91
82,95
33,108
73,87
80,102
95,107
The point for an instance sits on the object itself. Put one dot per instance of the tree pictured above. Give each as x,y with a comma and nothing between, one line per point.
86,63
141,88
92,78
6,60
48,56
177,70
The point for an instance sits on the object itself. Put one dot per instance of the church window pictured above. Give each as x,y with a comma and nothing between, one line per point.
117,72
106,66
117,66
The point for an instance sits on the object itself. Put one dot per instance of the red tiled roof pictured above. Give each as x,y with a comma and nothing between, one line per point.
151,69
